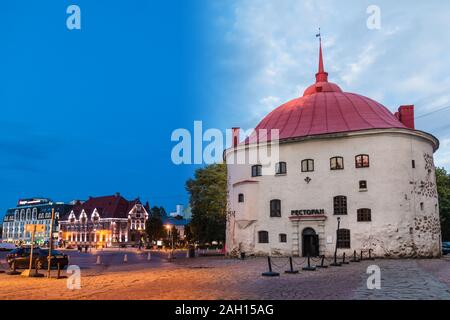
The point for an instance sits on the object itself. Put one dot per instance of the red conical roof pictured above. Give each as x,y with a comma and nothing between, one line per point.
324,108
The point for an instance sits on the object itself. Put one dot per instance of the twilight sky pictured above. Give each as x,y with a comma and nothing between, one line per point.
91,112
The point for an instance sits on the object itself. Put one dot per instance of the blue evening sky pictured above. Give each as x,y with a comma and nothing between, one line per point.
90,112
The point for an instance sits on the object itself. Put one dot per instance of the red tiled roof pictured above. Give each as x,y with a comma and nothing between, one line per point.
114,206
325,108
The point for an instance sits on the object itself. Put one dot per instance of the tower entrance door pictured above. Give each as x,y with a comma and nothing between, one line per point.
310,243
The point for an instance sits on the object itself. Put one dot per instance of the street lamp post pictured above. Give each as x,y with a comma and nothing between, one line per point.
335,263
171,236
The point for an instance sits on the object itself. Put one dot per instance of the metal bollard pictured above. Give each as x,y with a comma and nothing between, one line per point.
362,258
343,259
98,260
125,258
13,271
291,270
370,255
354,257
335,263
270,273
149,256
309,267
322,265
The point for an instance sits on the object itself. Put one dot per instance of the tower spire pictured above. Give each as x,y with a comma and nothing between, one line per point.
321,75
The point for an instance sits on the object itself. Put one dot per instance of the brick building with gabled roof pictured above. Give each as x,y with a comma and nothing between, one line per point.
104,221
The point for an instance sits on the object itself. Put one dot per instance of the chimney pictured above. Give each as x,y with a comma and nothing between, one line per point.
406,116
236,137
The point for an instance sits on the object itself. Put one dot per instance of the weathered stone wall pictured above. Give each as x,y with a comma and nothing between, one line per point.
403,199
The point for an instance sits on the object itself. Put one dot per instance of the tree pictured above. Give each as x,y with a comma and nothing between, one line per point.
443,186
158,211
154,225
208,200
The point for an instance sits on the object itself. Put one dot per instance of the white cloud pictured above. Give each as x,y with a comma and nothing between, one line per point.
442,156
403,63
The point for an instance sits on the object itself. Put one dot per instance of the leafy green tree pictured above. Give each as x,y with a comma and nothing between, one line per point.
154,225
443,186
208,200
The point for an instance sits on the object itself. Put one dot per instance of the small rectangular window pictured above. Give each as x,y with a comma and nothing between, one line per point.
363,185
421,206
308,165
413,163
364,215
340,205
337,163
263,237
241,197
280,168
283,237
256,171
362,161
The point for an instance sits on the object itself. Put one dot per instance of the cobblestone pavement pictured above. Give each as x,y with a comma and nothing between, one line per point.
220,278
409,279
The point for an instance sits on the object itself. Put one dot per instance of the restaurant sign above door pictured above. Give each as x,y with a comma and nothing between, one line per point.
308,212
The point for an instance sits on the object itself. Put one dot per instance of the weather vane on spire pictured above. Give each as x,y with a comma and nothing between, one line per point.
319,35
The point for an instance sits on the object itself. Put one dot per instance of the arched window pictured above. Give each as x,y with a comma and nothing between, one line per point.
275,208
16,215
95,217
241,197
281,168
343,238
263,237
34,214
340,205
283,237
83,217
308,165
22,215
28,214
364,215
257,170
337,163
362,161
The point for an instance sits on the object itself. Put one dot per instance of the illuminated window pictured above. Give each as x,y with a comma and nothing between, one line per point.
308,165
362,161
275,208
340,205
337,163
256,170
343,238
263,237
364,215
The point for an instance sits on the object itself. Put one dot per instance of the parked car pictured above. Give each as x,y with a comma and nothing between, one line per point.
4,246
445,248
21,258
